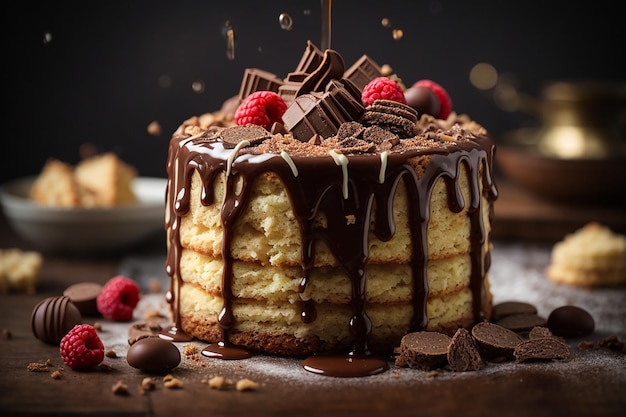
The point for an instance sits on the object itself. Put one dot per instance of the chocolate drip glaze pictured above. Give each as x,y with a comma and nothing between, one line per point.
320,186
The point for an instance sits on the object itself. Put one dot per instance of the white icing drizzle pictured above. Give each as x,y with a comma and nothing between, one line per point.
341,160
290,162
233,155
383,166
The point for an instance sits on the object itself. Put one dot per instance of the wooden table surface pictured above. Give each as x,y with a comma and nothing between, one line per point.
591,384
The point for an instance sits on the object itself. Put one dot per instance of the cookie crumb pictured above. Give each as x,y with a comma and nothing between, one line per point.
39,366
98,326
190,350
56,374
432,374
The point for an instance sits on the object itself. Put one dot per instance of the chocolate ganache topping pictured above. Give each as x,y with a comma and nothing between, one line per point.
343,162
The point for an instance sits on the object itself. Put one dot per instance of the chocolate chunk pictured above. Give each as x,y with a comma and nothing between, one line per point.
571,321
363,71
255,79
153,354
53,318
463,353
350,129
83,295
494,340
508,308
538,332
545,348
254,134
521,323
423,350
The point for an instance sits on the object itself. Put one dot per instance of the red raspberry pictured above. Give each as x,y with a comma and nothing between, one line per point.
81,348
445,103
382,88
118,298
262,108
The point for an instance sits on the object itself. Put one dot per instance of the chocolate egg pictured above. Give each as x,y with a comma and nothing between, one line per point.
570,321
153,354
53,318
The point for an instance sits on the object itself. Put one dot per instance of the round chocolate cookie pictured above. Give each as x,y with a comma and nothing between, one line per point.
423,350
545,348
509,308
521,323
494,340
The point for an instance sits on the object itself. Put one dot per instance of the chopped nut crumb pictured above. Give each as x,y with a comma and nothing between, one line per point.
154,128
56,374
170,382
246,385
147,384
111,354
446,138
350,219
218,382
105,367
120,388
98,326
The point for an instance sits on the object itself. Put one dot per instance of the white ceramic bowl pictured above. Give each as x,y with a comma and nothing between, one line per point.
85,230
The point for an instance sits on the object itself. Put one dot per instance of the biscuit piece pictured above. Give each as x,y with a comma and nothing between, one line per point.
19,270
592,256
55,186
105,181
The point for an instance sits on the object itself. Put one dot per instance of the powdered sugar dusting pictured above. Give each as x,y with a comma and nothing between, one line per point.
517,273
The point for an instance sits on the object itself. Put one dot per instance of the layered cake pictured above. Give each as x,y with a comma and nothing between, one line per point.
323,212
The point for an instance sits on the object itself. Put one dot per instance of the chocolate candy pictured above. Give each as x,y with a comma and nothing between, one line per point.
83,295
53,318
423,100
570,321
153,354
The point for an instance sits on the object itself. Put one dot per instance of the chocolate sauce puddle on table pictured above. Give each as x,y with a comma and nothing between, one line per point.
323,190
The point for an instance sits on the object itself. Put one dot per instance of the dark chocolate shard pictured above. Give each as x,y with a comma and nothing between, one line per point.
331,68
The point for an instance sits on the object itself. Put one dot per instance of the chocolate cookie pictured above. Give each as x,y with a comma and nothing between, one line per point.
463,353
423,350
495,341
544,348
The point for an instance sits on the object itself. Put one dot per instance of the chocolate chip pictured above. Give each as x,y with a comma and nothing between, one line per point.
508,308
570,321
423,350
153,354
463,353
545,348
494,340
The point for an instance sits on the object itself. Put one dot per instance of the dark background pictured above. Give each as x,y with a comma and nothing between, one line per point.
90,71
